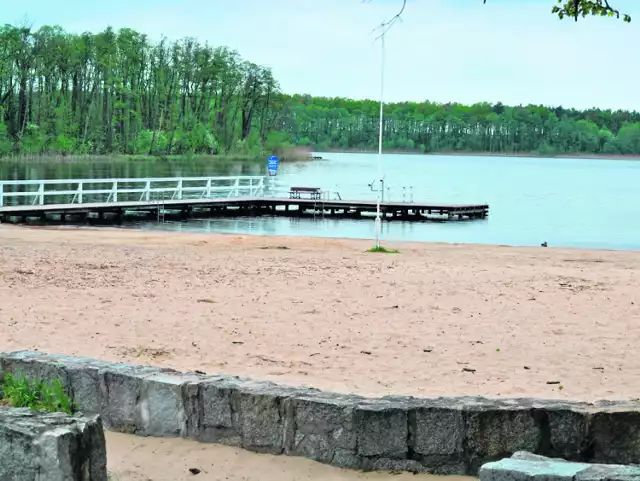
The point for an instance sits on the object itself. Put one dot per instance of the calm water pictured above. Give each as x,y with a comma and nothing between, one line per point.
566,202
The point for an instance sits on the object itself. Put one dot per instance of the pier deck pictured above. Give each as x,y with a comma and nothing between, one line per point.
242,197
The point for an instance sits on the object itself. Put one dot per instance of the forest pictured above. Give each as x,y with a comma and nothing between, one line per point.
430,127
116,92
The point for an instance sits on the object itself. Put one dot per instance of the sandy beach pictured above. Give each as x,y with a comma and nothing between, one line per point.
433,320
133,458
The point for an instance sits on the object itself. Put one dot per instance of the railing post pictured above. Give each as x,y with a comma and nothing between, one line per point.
79,192
147,193
1,194
180,189
251,193
209,188
41,193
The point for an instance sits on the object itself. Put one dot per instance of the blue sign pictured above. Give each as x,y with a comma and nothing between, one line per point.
272,164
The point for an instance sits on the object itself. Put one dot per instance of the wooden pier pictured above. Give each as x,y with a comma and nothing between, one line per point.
117,199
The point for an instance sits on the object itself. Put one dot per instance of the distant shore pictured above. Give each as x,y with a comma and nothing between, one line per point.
297,156
487,154
79,158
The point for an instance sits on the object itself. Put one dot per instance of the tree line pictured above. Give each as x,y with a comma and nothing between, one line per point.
116,92
431,127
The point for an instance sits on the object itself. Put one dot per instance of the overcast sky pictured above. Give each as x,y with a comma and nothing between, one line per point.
512,51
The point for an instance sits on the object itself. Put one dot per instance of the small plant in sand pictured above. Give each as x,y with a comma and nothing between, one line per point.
20,392
383,250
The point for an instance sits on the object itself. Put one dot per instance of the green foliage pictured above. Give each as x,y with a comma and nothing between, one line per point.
338,123
277,143
250,147
546,150
6,146
63,144
383,250
34,140
115,92
49,396
628,139
583,8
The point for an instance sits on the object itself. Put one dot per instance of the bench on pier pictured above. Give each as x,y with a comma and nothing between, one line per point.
314,193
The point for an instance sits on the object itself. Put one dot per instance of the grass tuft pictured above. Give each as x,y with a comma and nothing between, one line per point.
383,250
50,396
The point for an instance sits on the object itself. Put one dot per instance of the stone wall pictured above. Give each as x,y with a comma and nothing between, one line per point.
50,447
442,436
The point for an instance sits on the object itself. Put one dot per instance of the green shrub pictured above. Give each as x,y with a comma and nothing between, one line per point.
383,250
50,396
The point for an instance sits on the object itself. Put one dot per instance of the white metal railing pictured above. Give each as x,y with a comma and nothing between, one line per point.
79,191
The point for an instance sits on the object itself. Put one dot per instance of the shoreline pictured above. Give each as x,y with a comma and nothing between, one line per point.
487,154
61,159
53,158
391,243
494,321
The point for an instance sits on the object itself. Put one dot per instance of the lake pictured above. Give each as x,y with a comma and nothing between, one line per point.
588,203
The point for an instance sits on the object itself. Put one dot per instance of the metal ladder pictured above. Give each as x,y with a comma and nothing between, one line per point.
320,204
161,211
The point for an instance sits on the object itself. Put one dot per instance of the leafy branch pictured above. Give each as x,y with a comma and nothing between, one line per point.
565,8
583,8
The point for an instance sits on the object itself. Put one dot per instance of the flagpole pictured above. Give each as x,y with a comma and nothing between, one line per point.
378,225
